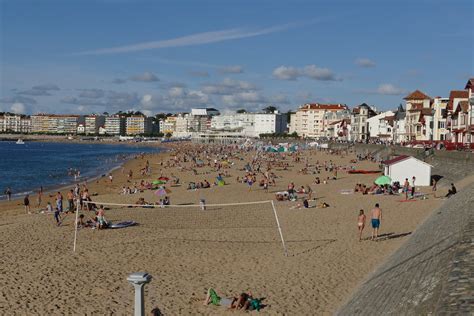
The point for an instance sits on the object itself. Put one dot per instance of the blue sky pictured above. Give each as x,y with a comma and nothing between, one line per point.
167,56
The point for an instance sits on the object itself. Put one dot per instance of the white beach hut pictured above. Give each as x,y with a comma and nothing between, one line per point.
403,167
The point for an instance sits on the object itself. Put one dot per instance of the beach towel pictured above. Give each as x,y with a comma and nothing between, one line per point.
347,191
122,224
215,299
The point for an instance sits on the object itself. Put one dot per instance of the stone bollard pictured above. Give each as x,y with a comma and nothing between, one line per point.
138,280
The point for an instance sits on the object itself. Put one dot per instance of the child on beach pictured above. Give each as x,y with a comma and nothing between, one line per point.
57,213
101,222
361,223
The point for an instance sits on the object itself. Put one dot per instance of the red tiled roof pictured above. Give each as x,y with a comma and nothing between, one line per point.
457,94
417,95
395,160
319,106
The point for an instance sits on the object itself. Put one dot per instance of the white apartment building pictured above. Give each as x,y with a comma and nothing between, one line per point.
440,116
14,123
308,121
92,124
54,124
250,124
168,125
380,126
114,125
419,118
138,125
359,127
399,131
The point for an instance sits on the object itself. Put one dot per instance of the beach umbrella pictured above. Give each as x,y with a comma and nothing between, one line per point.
383,180
163,178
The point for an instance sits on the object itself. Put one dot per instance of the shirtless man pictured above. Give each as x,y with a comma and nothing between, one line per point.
376,220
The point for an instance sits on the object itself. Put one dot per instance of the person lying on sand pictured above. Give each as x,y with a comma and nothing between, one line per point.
244,301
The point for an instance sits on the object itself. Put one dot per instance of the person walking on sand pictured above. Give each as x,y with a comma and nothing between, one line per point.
26,203
40,196
8,193
413,187
361,223
405,188
376,220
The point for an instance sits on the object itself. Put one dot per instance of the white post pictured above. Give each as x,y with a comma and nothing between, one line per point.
138,280
75,224
279,229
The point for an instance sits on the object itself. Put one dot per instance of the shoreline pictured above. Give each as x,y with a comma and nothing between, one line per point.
47,191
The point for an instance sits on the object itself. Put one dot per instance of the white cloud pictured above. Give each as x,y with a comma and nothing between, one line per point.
389,89
195,39
18,108
316,73
365,62
309,71
286,73
232,69
145,77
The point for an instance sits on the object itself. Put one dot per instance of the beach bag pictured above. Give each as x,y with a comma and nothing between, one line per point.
255,304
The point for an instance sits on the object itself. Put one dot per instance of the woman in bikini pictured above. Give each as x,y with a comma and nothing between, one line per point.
361,223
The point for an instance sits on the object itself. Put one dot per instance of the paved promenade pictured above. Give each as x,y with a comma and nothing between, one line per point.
432,273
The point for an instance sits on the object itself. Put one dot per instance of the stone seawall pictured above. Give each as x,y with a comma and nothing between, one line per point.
431,274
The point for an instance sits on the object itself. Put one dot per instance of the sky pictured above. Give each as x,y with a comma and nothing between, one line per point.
85,57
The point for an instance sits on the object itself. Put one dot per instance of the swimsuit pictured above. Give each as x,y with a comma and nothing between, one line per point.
375,223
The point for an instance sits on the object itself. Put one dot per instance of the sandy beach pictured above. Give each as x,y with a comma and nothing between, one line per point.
232,249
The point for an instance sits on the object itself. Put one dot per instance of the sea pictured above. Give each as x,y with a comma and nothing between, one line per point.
25,168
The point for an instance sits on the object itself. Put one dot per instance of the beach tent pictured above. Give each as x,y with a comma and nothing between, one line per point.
406,167
281,149
293,148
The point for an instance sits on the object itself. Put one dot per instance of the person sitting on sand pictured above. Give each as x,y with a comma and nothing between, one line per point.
244,301
451,191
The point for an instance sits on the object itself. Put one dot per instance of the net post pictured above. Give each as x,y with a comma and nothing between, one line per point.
279,229
75,225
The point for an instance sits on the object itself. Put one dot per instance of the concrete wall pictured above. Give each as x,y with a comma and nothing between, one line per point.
431,274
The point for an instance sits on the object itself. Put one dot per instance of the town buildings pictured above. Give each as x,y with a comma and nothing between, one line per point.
54,124
250,124
15,123
138,125
380,126
309,122
359,125
92,123
419,117
114,125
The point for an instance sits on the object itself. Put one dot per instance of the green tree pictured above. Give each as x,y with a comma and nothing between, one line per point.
269,109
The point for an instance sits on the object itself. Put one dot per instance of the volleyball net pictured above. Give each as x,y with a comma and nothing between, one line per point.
245,222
